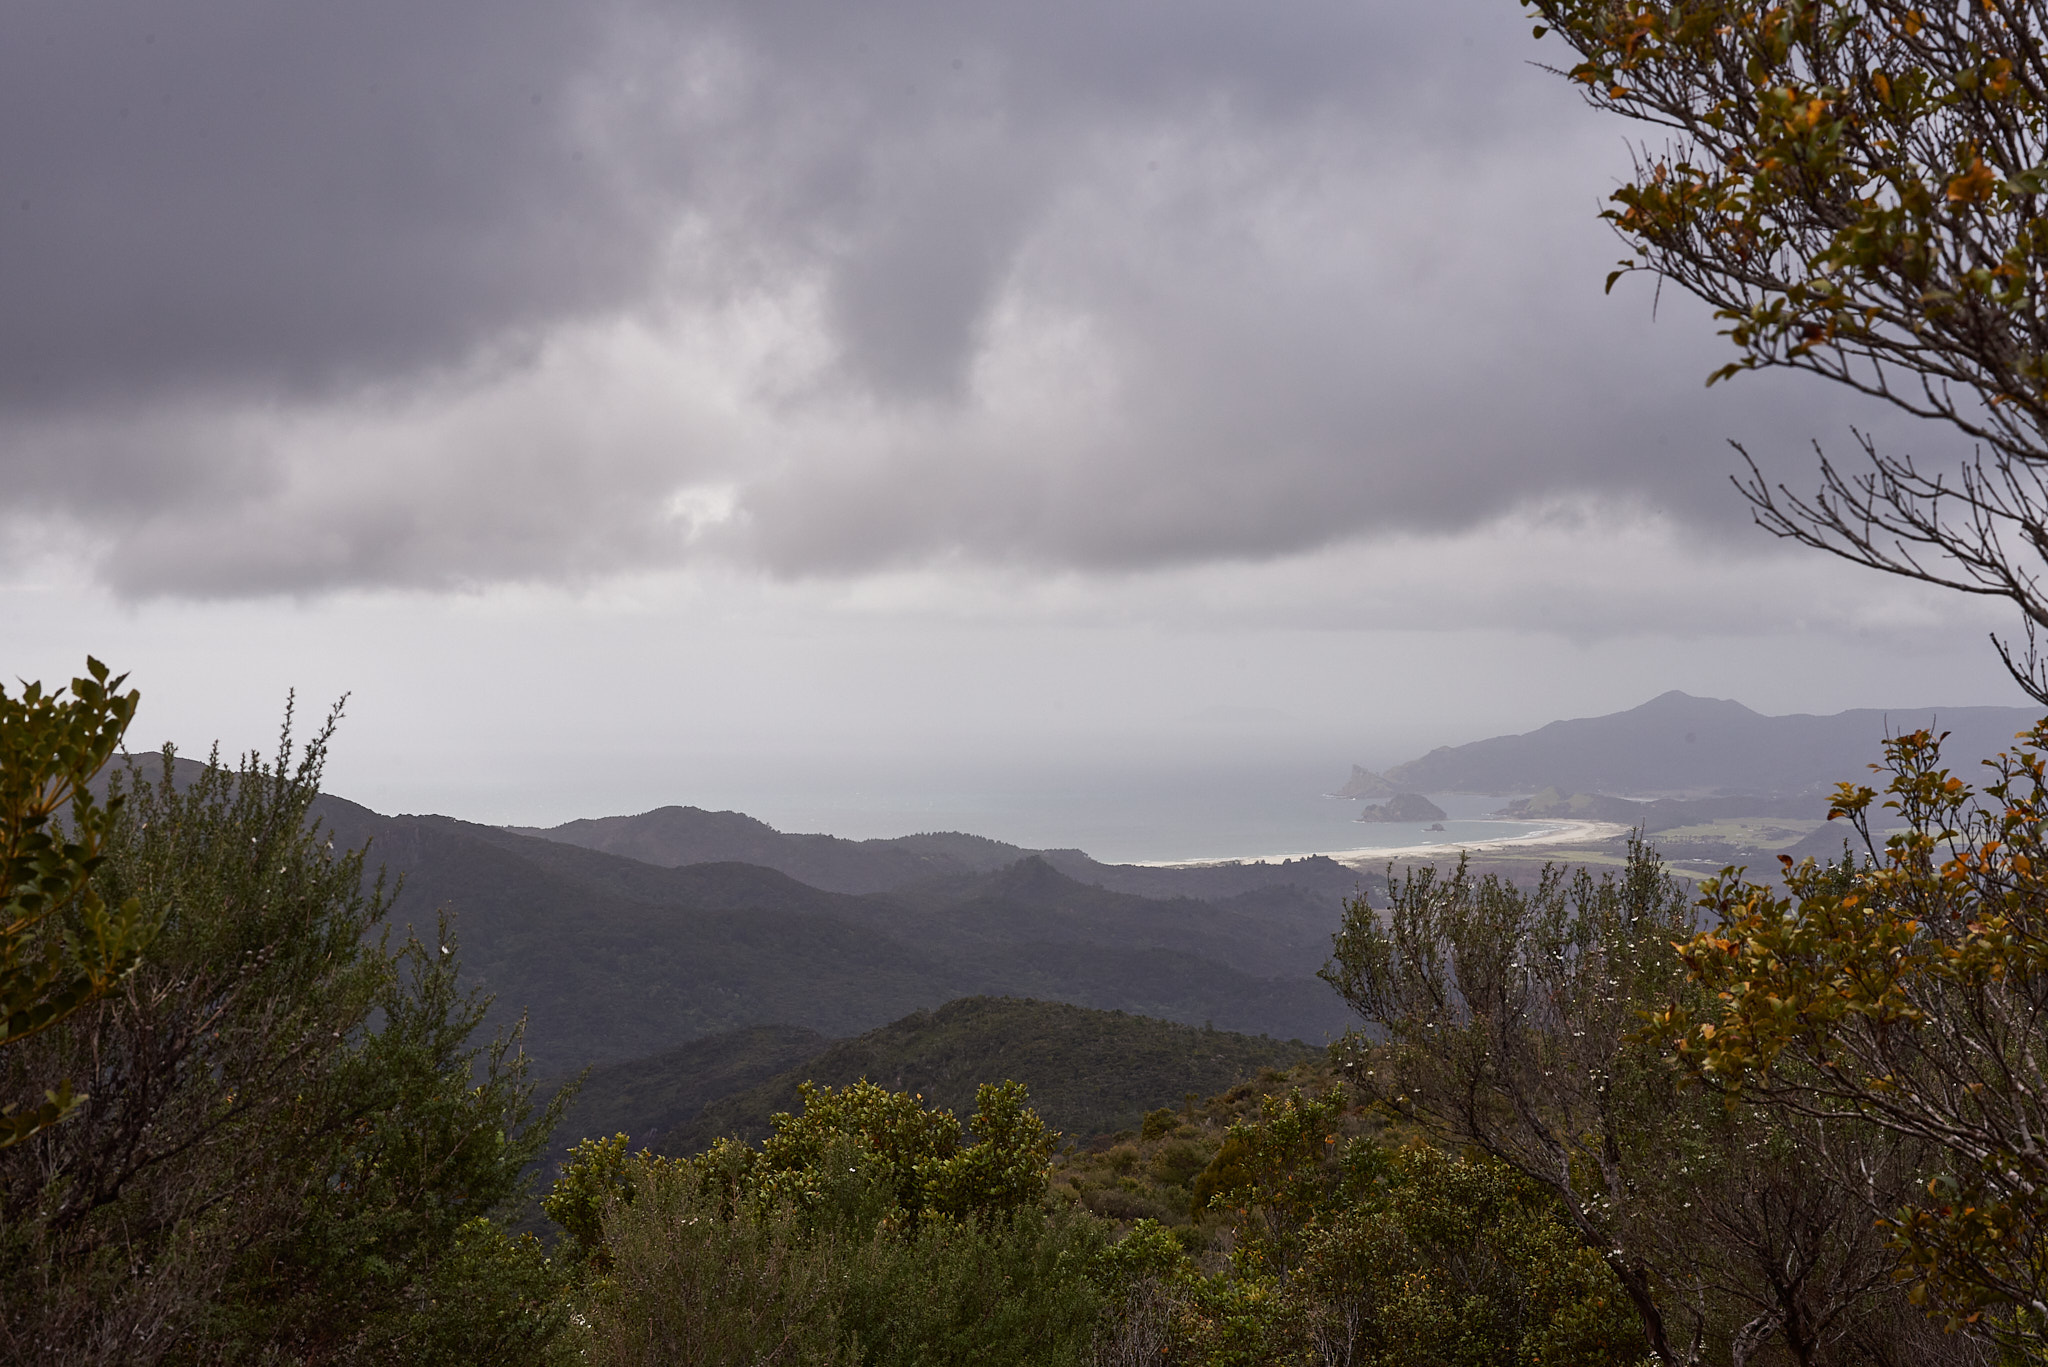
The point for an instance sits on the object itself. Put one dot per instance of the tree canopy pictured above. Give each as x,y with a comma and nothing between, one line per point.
291,1147
1857,187
1906,993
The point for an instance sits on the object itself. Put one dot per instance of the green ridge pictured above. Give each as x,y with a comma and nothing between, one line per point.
1089,1072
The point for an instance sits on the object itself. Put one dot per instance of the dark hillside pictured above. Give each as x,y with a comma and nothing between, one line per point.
1033,902
612,958
673,836
1089,1072
603,976
648,1097
1317,875
1169,984
727,885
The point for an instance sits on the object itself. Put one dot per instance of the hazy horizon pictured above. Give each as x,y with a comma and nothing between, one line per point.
1240,783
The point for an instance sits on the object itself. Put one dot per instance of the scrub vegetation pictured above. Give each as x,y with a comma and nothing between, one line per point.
1584,1120
276,1137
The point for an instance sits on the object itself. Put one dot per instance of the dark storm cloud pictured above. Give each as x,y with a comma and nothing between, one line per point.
444,293
235,195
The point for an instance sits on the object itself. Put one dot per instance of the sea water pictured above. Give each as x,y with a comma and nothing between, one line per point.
1118,814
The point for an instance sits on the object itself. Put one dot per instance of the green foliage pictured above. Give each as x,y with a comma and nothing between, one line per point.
916,1155
1359,1252
291,1139
1167,1170
1329,1245
1283,1167
1508,1017
691,1285
867,1229
404,1182
1089,1072
597,1176
1903,991
1004,1170
1158,1123
900,1140
696,1281
1511,1024
62,946
1010,1291
1427,1258
486,1297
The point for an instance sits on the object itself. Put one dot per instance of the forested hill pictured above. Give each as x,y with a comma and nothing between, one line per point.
612,958
647,1098
1679,744
1089,1072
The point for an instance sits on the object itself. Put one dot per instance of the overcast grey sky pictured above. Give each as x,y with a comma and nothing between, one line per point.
614,395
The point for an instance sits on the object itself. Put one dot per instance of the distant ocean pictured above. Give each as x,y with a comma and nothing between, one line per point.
1125,814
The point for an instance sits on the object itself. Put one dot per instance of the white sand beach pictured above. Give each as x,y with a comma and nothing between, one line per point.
1553,833
1556,833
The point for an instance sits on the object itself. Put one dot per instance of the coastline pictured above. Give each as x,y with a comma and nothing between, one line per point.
1559,833
1552,833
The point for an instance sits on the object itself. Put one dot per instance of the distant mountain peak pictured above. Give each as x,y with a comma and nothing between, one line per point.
1678,744
1365,783
1677,700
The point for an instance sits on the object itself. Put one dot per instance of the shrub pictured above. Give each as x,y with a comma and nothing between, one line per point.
292,1148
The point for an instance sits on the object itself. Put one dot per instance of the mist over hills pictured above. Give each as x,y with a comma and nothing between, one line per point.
1680,745
673,837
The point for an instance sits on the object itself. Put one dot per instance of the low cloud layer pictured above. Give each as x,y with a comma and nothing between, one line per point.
445,296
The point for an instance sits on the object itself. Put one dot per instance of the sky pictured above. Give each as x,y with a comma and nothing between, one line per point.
636,402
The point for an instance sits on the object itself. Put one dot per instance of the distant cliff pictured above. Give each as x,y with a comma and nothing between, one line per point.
1404,807
1365,783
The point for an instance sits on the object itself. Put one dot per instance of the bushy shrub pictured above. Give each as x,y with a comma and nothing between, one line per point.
292,1149
692,1284
867,1230
1358,1252
1427,1258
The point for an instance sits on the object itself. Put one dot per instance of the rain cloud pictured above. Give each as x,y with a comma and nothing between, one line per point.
312,298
